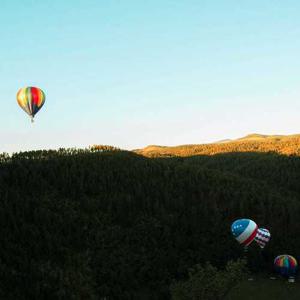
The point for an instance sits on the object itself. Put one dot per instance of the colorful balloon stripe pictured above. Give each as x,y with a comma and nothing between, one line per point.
286,265
31,100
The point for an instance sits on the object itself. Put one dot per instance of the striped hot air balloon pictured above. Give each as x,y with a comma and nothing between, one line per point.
244,231
31,100
263,236
286,265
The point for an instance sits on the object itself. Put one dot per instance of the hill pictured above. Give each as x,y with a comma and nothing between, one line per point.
287,145
89,224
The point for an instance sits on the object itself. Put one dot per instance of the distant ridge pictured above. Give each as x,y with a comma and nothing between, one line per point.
257,137
282,144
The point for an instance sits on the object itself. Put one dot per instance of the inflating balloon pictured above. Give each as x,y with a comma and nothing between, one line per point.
286,265
31,100
244,231
263,236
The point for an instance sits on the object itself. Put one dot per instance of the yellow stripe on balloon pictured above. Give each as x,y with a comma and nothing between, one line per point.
31,99
21,97
41,98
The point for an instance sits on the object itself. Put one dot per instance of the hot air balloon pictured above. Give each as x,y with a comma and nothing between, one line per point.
286,265
244,231
31,99
263,236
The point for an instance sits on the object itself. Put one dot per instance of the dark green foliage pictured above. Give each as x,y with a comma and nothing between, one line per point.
208,283
79,224
263,288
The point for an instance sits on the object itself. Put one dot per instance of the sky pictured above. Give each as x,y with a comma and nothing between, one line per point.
130,73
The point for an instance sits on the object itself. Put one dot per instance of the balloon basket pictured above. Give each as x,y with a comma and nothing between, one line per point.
291,280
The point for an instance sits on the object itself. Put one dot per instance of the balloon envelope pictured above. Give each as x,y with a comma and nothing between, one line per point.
244,231
31,100
286,265
262,237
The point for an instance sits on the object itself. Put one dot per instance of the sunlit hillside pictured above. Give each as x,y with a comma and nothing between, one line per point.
287,145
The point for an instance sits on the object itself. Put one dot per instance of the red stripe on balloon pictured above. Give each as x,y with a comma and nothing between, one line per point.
35,94
251,237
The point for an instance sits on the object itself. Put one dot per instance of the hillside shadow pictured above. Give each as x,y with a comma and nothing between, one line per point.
279,170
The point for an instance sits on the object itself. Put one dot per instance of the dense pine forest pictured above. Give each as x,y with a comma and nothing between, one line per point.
110,224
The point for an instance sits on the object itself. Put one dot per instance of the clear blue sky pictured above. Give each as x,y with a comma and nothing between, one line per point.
131,73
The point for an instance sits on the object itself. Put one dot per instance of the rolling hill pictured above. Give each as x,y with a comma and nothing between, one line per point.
106,223
287,145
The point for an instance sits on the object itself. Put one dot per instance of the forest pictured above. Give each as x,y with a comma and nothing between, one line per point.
103,223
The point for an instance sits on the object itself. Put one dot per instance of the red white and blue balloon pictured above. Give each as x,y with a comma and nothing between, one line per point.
244,231
263,236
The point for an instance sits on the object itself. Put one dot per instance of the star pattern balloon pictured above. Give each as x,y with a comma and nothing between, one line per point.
244,231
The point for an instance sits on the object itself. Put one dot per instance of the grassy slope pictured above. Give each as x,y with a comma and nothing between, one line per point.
266,289
287,145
